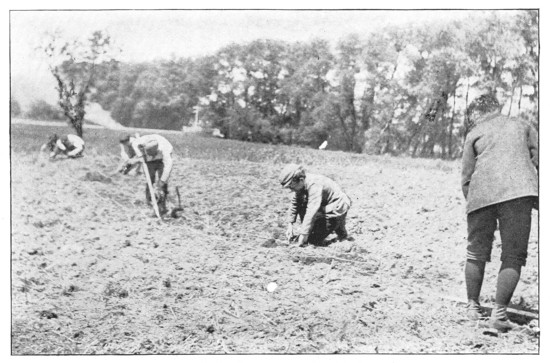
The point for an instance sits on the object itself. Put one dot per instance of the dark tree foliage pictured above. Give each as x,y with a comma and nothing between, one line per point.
42,110
15,108
400,90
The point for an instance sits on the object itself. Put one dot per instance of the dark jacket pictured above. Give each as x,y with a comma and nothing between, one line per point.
499,162
319,193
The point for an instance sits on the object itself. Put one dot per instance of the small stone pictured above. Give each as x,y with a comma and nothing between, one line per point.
491,332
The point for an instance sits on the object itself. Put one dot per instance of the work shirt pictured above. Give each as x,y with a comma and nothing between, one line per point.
126,151
499,162
68,144
319,193
164,152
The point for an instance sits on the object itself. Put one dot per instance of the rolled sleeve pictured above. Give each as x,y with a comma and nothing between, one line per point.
60,145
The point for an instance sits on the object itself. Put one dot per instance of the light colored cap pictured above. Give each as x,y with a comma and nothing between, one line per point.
287,174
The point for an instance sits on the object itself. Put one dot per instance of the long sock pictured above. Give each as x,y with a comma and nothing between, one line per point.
508,278
474,272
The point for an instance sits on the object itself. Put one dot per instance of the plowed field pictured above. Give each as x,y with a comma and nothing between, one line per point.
95,272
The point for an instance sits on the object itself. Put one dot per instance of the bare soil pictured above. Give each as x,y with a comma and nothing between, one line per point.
94,272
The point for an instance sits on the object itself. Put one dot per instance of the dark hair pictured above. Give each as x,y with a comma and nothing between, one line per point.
484,104
125,139
51,141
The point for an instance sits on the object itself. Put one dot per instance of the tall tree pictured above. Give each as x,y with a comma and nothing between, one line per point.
73,65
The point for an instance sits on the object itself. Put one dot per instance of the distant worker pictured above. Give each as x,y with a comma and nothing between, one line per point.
158,156
70,145
500,184
126,153
320,203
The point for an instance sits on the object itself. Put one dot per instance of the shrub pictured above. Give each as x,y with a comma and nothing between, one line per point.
42,110
15,108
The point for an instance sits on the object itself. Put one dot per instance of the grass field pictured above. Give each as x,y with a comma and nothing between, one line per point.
94,272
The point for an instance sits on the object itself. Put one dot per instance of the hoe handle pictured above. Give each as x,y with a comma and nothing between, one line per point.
149,184
179,198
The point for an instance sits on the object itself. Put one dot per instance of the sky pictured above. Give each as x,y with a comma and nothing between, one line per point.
145,35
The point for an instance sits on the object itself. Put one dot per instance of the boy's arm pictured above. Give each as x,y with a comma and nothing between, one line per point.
59,147
123,154
136,159
315,198
293,210
76,150
168,162
533,144
468,165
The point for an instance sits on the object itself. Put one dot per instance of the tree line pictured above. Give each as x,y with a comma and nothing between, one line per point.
402,90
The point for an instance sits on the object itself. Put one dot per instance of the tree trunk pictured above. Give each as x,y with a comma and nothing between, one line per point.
520,96
413,154
511,100
344,126
450,139
438,131
466,112
77,124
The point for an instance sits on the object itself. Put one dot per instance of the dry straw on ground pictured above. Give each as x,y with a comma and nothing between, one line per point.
93,271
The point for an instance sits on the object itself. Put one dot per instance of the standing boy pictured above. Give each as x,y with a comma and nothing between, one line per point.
500,184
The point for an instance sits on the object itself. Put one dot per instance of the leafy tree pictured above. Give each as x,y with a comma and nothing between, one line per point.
403,90
73,65
384,97
525,75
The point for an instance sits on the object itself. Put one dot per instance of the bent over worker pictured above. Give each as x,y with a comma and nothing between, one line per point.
158,158
319,202
126,153
500,184
70,145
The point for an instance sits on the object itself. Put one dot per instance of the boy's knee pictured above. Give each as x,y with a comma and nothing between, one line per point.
478,254
513,261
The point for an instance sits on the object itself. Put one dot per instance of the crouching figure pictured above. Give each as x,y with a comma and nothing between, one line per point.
70,145
157,153
320,203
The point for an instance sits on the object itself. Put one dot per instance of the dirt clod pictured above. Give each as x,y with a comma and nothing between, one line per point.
95,176
385,284
115,290
48,314
490,332
270,243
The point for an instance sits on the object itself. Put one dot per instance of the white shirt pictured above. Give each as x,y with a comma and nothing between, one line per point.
164,152
76,142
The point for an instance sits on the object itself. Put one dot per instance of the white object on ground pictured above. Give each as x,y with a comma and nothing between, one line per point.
271,286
